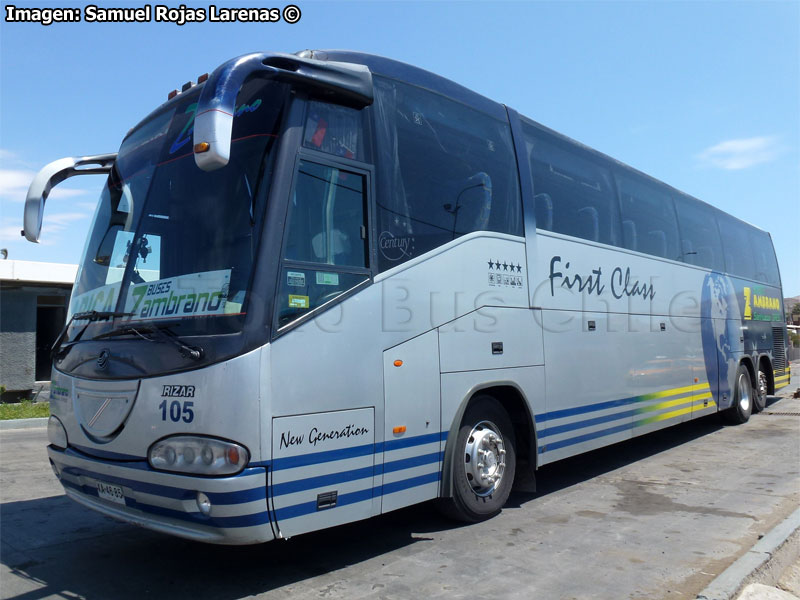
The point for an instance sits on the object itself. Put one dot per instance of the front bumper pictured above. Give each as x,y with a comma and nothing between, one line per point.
166,502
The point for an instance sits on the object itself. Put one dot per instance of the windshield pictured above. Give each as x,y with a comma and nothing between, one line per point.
171,242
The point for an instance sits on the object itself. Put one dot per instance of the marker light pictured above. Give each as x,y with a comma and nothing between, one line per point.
202,78
202,147
56,434
398,363
172,94
398,430
199,455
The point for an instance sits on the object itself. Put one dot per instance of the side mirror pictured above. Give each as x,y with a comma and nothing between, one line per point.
344,83
50,176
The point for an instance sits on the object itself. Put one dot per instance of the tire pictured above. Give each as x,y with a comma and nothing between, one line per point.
479,489
742,406
760,393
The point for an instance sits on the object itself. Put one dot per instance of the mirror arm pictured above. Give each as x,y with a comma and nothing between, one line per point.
49,177
345,83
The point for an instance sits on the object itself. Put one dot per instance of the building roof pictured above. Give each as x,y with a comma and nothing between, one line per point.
37,272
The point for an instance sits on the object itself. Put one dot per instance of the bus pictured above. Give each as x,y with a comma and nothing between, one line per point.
322,286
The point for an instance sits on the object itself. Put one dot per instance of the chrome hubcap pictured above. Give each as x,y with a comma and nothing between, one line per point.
744,392
484,458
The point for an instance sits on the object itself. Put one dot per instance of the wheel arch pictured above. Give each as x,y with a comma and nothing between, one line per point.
765,365
515,403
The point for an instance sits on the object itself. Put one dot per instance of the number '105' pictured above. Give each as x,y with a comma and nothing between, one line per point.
177,411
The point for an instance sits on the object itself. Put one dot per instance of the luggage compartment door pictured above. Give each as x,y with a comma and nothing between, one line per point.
322,472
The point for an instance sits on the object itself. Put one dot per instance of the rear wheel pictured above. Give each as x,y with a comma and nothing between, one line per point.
742,406
484,463
760,393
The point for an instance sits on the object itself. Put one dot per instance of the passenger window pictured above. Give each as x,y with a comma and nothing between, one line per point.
325,252
573,192
649,224
700,241
764,257
445,170
736,247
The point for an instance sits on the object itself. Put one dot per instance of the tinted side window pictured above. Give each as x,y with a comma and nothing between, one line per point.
444,170
649,224
573,193
764,257
325,251
700,243
736,247
334,129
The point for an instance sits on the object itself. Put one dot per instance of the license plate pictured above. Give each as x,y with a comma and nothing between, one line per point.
110,492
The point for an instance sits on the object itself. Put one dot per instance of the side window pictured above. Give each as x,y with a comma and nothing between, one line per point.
649,224
445,170
573,193
736,247
325,247
334,129
764,257
700,242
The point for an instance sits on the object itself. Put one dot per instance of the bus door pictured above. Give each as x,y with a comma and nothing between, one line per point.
412,457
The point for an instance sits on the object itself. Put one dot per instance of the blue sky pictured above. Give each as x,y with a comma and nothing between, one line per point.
704,96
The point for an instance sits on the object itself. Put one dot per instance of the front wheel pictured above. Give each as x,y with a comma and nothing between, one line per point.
484,463
742,406
760,393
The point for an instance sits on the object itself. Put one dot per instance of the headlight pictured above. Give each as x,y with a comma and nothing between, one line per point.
198,455
56,434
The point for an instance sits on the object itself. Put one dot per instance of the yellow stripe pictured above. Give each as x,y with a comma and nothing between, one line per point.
675,391
674,413
781,379
660,405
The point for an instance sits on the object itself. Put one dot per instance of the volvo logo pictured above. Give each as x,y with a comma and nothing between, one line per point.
102,360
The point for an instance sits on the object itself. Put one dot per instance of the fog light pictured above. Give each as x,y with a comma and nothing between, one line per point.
56,434
203,503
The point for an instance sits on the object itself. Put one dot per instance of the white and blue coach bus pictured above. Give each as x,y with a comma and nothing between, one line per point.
321,287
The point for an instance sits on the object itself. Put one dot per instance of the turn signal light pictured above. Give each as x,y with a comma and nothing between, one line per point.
398,363
398,430
202,147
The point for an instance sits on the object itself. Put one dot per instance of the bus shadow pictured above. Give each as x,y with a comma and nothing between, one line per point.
75,552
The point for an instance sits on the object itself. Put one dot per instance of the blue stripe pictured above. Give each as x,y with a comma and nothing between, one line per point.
313,458
234,497
428,438
586,423
584,438
259,518
579,410
310,483
397,486
307,508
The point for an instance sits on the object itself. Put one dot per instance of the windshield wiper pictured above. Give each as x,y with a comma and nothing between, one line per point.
162,331
90,316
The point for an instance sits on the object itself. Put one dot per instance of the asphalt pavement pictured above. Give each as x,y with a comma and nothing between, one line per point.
661,516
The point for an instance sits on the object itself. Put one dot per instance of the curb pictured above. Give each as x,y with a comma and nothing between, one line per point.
731,580
23,423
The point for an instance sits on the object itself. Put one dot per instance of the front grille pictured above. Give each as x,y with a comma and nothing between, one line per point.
778,349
